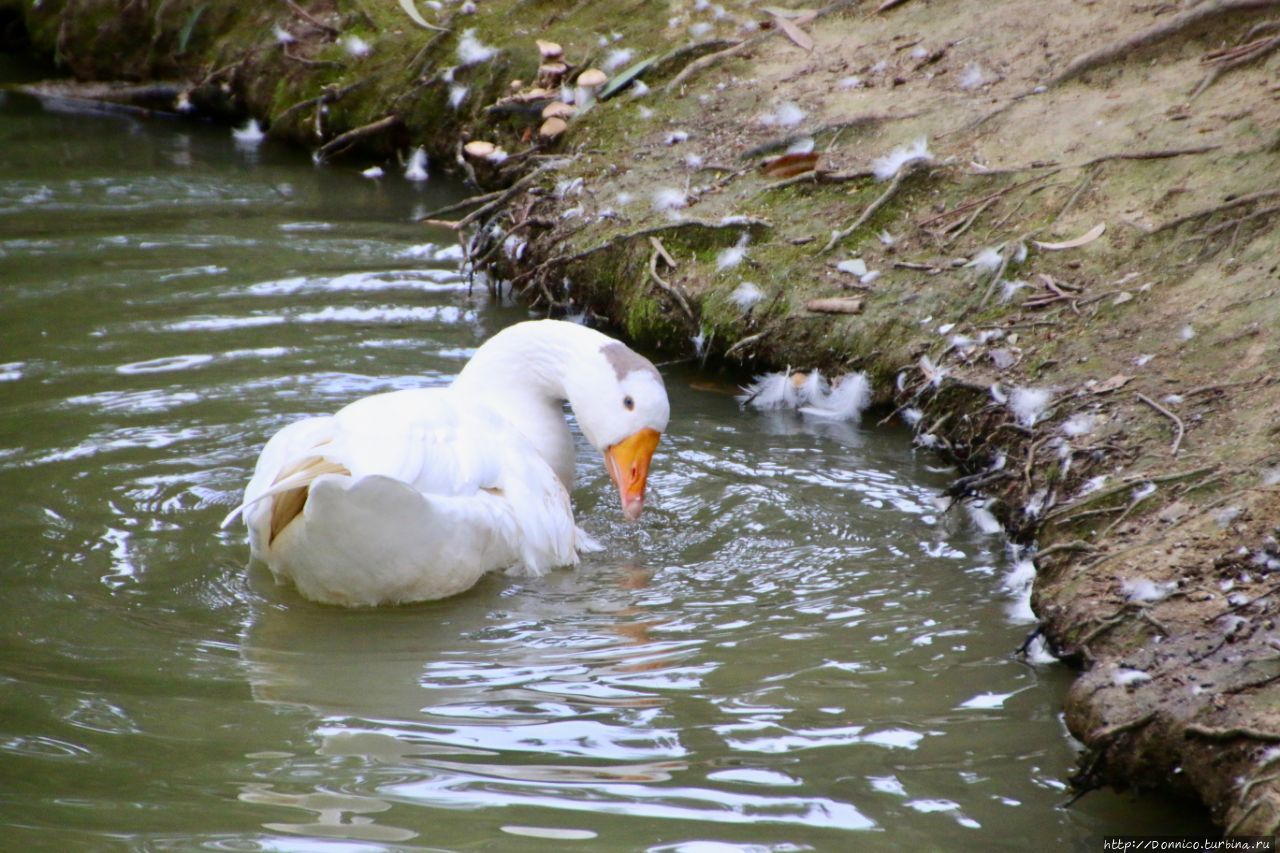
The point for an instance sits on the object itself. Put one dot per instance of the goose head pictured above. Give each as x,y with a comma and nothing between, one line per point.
622,409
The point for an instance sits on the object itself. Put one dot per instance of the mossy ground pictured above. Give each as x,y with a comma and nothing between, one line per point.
1188,311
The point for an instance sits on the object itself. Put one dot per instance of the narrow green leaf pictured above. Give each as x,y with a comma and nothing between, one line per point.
185,35
411,10
617,84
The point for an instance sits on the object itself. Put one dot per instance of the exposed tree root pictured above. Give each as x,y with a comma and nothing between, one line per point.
1231,733
1232,204
1236,58
675,292
837,236
1180,23
344,141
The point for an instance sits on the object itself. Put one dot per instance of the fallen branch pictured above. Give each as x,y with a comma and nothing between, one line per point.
1153,35
345,140
1181,428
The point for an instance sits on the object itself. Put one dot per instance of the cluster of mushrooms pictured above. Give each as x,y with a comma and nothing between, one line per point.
551,98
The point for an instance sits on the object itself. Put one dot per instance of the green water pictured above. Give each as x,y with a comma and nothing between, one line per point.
793,650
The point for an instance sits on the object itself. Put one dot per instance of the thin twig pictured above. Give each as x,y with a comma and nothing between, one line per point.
310,19
744,343
470,201
506,195
837,236
1238,201
1181,428
1075,545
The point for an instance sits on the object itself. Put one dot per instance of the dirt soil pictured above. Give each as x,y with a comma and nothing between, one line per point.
1077,288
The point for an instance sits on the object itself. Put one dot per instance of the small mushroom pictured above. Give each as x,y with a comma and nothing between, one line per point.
557,109
552,127
590,82
550,50
478,149
516,85
549,73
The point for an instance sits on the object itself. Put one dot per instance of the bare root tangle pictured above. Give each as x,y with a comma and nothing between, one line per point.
1237,58
469,201
504,196
345,140
1154,35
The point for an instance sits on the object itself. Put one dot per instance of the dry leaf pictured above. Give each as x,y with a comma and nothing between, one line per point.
793,32
1084,239
835,305
1112,384
790,165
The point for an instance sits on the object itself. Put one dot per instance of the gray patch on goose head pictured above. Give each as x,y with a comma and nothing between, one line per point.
625,361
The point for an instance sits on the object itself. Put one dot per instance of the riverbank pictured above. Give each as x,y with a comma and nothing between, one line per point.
1066,276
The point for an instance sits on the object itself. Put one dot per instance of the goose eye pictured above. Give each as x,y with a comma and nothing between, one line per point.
629,403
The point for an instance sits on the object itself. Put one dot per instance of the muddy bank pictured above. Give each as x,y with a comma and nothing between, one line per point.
1067,277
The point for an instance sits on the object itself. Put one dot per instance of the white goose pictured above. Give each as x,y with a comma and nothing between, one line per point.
413,495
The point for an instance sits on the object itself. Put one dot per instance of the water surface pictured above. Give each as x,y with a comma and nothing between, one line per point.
795,649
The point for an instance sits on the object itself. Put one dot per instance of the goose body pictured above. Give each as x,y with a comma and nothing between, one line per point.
414,495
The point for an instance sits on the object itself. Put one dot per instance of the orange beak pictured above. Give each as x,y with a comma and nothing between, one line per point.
628,464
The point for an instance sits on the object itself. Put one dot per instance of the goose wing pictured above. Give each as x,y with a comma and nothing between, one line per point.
404,496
